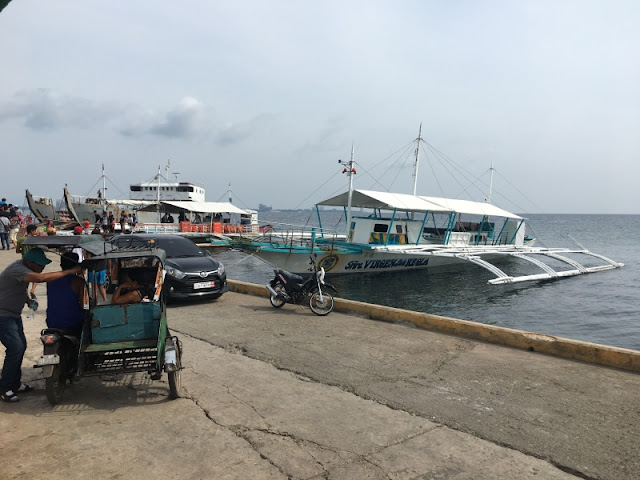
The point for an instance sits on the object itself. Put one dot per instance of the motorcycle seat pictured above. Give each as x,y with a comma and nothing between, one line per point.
291,277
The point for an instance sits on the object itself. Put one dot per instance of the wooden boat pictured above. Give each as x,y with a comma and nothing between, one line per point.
409,232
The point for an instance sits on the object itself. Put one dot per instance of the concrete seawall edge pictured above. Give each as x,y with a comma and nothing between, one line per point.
605,355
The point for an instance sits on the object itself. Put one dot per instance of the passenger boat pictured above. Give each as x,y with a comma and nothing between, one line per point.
151,199
410,231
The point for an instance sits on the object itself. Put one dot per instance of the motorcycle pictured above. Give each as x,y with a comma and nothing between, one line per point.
287,287
59,361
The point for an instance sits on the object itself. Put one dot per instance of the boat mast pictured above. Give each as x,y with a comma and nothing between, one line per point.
350,171
491,170
415,167
103,200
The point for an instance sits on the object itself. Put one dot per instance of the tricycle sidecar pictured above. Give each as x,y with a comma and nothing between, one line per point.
122,338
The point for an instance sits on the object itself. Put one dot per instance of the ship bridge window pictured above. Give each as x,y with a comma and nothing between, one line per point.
380,227
184,188
136,188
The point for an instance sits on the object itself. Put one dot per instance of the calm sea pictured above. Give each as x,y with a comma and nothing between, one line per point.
601,307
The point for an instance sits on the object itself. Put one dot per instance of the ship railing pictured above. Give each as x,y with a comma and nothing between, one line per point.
295,235
189,227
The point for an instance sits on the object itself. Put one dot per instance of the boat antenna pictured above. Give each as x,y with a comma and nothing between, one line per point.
415,167
175,174
104,190
350,170
491,170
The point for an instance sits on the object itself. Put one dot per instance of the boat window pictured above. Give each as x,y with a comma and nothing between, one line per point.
398,228
136,188
184,188
380,227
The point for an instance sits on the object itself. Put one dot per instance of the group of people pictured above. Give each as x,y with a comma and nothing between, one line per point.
10,222
107,222
14,282
168,218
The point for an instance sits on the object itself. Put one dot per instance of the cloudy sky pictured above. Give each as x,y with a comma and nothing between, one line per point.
268,95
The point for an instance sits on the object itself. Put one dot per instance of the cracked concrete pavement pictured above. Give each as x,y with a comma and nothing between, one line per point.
285,394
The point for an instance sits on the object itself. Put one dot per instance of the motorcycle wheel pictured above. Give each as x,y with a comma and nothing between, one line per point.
109,287
54,385
277,301
322,308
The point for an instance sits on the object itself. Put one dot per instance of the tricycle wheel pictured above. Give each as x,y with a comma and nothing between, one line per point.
54,385
174,384
109,287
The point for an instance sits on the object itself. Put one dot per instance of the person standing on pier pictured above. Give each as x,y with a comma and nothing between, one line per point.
14,281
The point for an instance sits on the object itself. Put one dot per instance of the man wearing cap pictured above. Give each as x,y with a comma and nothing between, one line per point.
14,281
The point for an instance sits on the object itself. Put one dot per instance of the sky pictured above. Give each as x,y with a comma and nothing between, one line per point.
263,98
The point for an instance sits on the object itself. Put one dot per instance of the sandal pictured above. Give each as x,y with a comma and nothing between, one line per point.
9,396
24,388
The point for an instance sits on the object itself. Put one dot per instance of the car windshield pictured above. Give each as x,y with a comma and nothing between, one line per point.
179,247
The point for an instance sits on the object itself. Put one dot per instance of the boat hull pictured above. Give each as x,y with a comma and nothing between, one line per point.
368,260
336,262
81,210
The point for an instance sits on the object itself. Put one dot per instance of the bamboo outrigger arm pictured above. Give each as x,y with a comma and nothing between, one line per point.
549,273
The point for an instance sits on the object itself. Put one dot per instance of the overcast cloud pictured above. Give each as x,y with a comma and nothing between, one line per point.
268,95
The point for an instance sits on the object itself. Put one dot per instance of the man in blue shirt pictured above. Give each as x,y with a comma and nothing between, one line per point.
65,298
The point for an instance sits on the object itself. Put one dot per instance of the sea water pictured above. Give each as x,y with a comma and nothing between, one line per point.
602,307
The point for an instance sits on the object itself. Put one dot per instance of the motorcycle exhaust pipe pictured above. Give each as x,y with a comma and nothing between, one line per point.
272,291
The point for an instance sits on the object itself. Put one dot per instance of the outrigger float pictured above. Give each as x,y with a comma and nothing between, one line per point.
409,232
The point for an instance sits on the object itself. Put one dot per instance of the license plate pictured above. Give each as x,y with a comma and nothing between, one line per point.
53,359
199,285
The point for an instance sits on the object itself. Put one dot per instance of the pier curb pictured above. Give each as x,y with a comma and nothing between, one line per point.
605,355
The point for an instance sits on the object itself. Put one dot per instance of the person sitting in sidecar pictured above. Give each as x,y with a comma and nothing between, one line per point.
131,289
65,298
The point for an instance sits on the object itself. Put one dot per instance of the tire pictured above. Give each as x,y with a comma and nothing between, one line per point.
174,384
322,308
277,301
54,385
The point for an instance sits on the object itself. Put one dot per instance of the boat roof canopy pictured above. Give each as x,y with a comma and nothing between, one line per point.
384,201
205,207
472,208
414,203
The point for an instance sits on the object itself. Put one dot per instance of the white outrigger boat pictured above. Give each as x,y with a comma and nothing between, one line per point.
409,232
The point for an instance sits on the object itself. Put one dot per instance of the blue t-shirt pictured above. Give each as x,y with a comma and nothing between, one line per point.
63,304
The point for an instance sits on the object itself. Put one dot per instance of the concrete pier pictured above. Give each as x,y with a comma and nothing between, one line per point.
282,393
